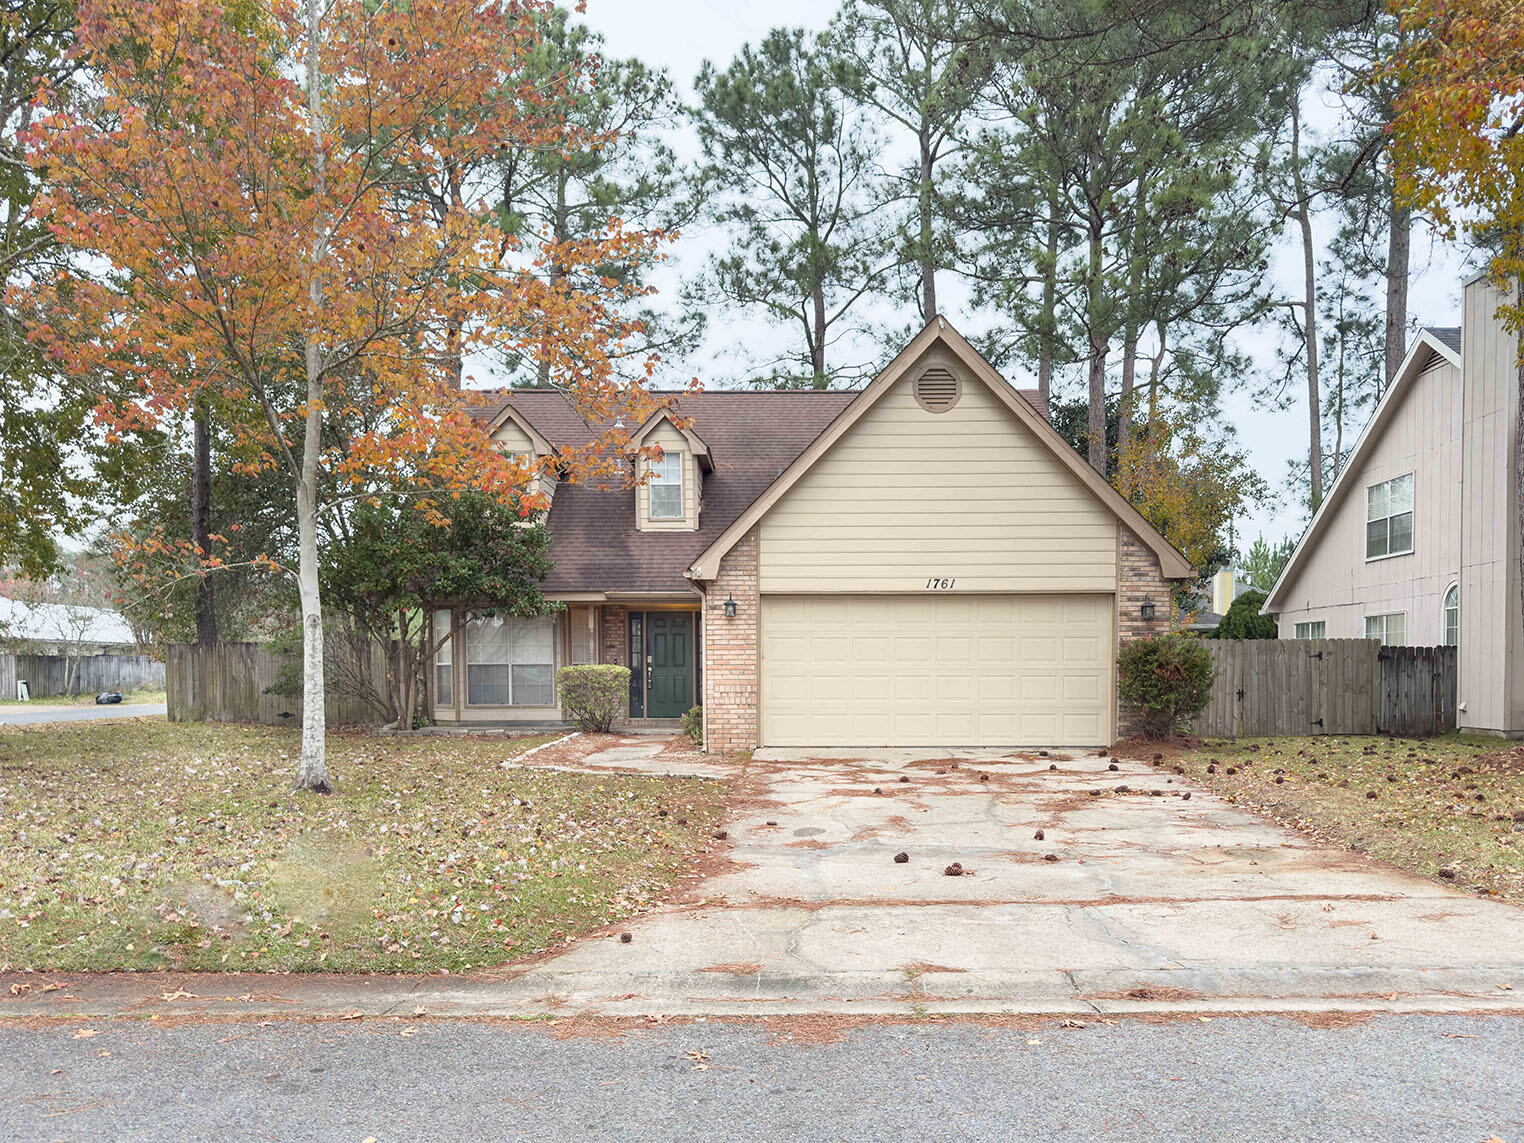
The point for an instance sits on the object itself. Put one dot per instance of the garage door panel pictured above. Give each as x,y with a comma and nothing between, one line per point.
936,670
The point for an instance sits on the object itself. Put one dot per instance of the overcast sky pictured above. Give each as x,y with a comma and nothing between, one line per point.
680,34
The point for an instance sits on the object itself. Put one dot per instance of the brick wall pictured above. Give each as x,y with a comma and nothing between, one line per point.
730,652
616,639
1140,580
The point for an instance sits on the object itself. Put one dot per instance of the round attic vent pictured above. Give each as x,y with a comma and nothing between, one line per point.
937,389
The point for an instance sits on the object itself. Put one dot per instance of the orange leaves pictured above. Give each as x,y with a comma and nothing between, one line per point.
196,185
1458,129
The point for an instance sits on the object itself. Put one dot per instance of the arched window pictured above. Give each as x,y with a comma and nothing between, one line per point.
1450,619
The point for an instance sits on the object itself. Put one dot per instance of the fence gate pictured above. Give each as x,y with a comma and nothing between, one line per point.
1263,687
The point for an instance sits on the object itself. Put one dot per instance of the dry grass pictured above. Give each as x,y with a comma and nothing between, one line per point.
1450,808
144,845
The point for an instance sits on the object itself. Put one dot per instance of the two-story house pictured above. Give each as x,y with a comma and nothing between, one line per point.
924,561
1417,542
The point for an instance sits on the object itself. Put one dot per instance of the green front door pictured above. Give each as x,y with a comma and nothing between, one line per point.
669,663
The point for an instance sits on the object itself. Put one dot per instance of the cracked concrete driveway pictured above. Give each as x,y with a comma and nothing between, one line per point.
1142,893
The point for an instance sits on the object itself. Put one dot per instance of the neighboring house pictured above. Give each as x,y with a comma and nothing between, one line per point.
63,629
1225,589
923,562
1417,542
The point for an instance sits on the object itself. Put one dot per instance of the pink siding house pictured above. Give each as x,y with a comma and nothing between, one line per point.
1417,541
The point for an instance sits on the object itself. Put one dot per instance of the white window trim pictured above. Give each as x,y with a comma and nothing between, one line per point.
1412,540
680,483
1309,623
1385,615
463,633
1444,616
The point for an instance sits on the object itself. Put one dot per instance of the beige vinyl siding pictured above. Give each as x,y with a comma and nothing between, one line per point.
936,670
1490,626
511,438
1337,583
671,441
968,495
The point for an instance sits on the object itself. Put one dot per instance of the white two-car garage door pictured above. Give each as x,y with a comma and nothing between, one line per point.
936,670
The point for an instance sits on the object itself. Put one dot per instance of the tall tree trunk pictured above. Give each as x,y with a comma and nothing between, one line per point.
1098,347
1049,299
1309,310
1129,376
925,243
819,380
1399,240
201,525
312,773
561,230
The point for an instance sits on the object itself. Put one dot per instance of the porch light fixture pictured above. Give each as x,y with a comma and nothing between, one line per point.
730,607
1147,610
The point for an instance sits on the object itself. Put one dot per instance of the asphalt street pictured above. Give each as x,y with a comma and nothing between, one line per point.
31,716
1409,1078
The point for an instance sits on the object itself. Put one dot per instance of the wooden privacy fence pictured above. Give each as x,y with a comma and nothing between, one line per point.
1264,687
231,682
45,675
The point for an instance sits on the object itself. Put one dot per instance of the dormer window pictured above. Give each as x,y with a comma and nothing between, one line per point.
665,486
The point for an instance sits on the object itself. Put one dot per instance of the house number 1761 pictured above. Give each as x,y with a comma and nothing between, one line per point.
940,584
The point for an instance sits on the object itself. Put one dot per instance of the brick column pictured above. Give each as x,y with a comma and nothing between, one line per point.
1139,579
616,640
730,652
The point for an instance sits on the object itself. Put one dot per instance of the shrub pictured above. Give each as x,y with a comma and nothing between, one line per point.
593,696
1244,621
693,725
1167,678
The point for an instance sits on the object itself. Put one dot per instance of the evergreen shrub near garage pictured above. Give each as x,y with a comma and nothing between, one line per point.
1167,678
593,696
1244,621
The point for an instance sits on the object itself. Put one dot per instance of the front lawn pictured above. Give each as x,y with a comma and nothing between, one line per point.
1450,808
158,845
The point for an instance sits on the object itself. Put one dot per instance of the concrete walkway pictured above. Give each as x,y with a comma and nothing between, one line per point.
1143,895
33,714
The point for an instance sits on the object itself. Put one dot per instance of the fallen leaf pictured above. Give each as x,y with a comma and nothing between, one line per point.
86,1033
177,994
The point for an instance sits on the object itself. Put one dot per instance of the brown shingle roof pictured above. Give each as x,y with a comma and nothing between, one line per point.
752,435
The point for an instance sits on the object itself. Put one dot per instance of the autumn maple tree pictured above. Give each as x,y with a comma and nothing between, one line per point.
1458,141
253,203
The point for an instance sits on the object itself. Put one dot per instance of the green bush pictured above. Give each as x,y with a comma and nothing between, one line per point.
693,725
593,696
1168,678
1243,620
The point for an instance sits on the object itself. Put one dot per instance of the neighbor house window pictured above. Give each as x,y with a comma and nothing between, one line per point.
1313,629
444,692
666,487
1389,517
510,662
1392,628
1451,616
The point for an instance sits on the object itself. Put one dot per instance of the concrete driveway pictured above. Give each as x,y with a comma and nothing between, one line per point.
34,714
1142,893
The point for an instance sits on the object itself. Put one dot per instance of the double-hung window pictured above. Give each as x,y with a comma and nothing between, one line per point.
510,662
665,486
1312,629
1389,517
1391,628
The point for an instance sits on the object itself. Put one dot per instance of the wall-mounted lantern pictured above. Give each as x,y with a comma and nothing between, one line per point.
730,607
1147,611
